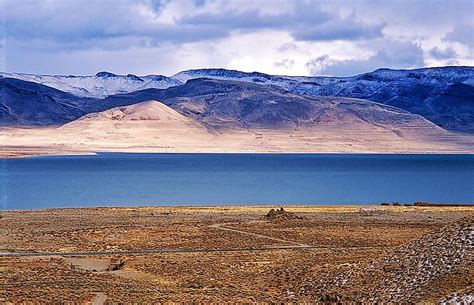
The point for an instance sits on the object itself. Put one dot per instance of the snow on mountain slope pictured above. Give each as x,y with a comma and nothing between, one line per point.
206,115
442,95
250,77
428,92
332,85
100,85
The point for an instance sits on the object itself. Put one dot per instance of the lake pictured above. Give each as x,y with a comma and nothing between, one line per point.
120,179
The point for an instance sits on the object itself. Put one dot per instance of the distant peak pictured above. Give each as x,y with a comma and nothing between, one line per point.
134,77
105,74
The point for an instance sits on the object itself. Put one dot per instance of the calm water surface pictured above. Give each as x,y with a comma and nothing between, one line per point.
116,179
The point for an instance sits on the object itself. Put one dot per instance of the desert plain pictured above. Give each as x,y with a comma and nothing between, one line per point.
152,127
235,254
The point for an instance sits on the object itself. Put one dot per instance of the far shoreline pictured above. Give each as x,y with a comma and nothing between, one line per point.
8,153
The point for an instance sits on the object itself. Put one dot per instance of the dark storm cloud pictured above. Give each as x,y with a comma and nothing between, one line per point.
394,54
73,22
339,30
462,33
305,23
91,30
439,53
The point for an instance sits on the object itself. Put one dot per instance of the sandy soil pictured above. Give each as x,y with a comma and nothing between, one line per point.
346,239
154,127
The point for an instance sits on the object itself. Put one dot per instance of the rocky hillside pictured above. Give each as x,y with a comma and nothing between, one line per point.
217,104
442,95
29,104
406,274
228,104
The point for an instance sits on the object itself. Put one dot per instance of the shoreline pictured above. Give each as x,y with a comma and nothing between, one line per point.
5,154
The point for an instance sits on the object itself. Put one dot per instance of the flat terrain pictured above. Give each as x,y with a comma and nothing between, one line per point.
139,138
153,127
216,254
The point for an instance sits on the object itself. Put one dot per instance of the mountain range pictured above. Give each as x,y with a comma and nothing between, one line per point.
443,95
386,110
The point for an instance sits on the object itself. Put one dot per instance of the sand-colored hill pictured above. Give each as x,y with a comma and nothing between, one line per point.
147,124
143,126
154,127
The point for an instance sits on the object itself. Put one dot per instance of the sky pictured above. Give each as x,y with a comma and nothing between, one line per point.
301,37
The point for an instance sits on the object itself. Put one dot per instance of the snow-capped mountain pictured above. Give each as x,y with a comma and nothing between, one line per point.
100,85
436,75
105,83
443,95
285,82
216,104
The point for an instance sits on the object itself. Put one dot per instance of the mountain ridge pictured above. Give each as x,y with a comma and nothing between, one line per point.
443,95
212,115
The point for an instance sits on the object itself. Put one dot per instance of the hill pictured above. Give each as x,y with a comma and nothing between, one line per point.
146,124
221,104
97,86
207,115
30,104
443,95
415,272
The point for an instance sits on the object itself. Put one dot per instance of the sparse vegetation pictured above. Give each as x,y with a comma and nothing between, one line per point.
346,242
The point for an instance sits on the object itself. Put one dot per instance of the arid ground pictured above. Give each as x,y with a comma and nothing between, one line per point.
237,254
152,127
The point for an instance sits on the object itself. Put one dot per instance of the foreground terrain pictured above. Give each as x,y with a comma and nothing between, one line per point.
212,254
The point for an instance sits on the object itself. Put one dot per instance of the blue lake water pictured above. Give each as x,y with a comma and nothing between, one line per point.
116,179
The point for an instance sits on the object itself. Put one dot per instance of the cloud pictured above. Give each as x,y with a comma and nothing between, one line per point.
346,29
284,63
71,23
318,64
394,54
447,53
289,46
335,37
247,20
306,22
462,33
